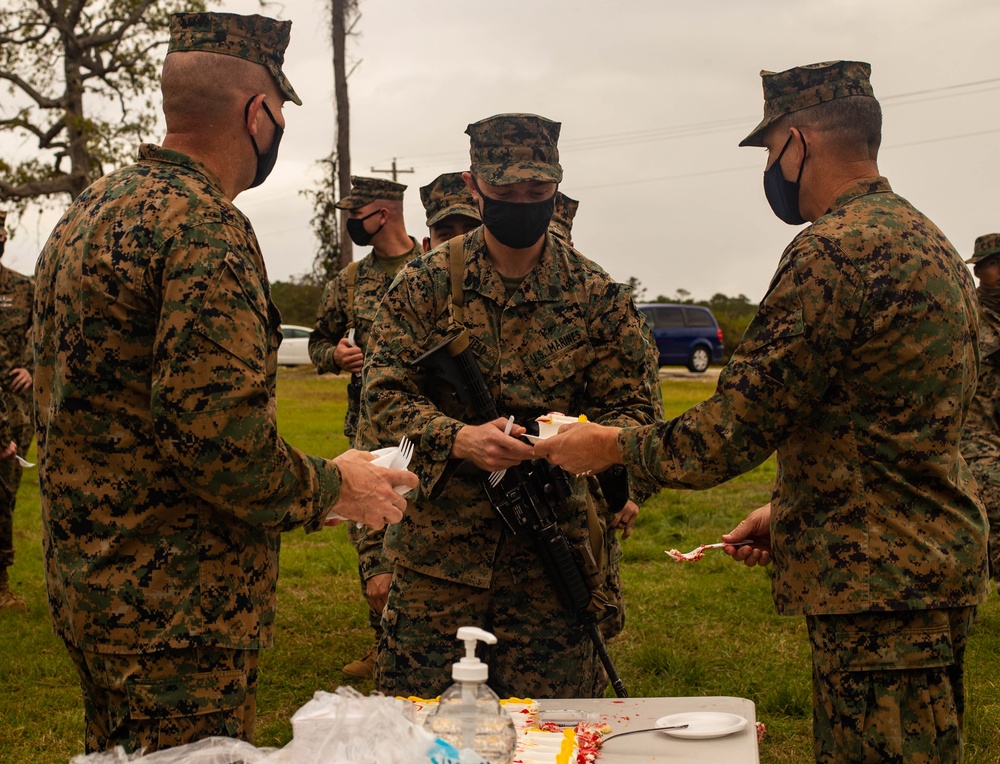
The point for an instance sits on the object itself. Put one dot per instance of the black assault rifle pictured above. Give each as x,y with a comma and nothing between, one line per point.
524,499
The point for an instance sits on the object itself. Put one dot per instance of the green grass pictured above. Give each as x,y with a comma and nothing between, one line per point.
705,629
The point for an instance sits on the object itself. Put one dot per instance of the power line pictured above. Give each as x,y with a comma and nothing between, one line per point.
687,130
757,167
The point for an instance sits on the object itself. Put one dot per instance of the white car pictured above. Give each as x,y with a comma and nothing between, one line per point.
294,347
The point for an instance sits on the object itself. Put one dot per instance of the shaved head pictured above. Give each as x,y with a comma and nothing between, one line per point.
853,124
200,87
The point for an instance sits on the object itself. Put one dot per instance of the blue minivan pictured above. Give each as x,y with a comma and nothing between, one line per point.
686,335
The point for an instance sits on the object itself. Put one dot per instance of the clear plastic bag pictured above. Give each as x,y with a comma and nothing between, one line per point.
343,727
212,750
346,727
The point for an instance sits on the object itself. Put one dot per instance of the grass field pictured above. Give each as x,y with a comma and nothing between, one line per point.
705,629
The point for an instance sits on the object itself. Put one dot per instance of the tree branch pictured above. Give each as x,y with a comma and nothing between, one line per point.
96,40
62,184
43,101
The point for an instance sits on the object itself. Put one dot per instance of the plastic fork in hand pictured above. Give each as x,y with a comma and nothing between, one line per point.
403,455
399,462
496,477
698,553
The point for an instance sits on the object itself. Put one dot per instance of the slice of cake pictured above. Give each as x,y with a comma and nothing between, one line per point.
546,743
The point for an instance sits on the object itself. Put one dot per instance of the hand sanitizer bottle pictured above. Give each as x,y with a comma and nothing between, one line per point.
469,715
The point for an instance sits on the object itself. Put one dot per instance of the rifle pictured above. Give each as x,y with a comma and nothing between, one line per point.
524,499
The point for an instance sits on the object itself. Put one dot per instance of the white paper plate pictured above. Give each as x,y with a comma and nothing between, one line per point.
534,438
702,724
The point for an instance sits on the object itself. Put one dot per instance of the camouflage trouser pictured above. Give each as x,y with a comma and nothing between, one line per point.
165,699
613,586
540,651
889,687
10,473
989,487
374,619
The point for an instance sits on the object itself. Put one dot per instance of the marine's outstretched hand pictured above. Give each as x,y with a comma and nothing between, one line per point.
757,527
584,448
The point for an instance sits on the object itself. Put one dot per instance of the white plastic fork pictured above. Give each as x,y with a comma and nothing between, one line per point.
695,554
402,460
403,455
496,477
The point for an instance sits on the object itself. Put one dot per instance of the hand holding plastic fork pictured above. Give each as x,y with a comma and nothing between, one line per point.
697,553
399,460
496,477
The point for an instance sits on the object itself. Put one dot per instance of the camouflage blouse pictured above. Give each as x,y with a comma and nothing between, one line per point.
334,318
16,294
164,482
981,435
857,369
569,339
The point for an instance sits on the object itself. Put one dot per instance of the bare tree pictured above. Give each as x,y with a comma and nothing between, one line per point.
52,55
343,16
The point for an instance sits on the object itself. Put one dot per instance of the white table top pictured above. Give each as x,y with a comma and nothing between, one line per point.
638,713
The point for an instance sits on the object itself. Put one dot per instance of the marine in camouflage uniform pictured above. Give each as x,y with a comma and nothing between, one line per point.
16,367
981,436
857,370
562,217
164,483
350,301
616,515
564,337
450,209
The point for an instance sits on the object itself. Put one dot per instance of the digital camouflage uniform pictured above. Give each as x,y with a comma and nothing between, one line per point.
562,227
445,196
562,217
857,370
164,483
334,318
16,293
981,436
569,339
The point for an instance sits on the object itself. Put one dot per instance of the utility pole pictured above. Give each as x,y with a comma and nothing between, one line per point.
395,171
342,12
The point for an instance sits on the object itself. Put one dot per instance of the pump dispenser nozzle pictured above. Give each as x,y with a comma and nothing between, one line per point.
470,668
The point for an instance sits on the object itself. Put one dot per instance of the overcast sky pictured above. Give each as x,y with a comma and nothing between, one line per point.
653,97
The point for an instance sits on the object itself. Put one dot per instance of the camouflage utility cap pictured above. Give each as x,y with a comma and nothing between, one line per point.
511,148
987,245
367,190
253,38
445,196
562,219
805,86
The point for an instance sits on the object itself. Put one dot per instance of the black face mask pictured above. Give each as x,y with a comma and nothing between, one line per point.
356,229
783,195
265,162
517,225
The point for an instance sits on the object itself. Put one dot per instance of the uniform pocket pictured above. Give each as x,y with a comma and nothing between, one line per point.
235,316
565,366
897,643
187,695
